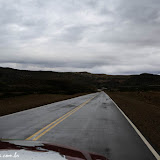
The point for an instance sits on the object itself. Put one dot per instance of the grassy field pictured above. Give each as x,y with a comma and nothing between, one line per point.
20,103
143,108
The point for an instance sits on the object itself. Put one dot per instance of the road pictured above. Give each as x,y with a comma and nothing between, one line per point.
92,123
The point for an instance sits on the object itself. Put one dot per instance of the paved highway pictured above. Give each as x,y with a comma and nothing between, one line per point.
92,123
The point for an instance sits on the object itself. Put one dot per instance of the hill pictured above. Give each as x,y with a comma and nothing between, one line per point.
18,82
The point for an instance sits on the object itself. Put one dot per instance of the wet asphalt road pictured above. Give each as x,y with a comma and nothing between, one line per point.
98,126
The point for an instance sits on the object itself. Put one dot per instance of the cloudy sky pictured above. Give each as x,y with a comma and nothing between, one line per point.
98,36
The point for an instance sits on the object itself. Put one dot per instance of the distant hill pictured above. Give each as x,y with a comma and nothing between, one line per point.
18,82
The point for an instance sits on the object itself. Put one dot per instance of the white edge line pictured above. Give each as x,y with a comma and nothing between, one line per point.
139,133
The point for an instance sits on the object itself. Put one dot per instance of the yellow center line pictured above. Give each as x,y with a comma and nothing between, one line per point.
47,128
49,124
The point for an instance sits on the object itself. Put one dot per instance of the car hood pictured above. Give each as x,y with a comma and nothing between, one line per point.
34,150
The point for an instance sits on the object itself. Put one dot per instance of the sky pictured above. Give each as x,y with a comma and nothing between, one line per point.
97,36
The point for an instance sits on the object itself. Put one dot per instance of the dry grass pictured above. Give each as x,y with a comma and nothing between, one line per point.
20,103
143,108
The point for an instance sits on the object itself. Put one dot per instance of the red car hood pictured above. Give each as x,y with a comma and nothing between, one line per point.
34,150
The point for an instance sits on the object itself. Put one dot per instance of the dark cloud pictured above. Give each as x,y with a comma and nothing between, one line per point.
104,36
142,12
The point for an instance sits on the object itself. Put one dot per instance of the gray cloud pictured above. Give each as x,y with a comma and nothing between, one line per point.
104,36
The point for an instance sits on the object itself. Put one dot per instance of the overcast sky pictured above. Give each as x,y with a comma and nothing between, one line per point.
98,36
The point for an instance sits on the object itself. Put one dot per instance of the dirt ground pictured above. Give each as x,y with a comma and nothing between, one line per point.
20,103
143,108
